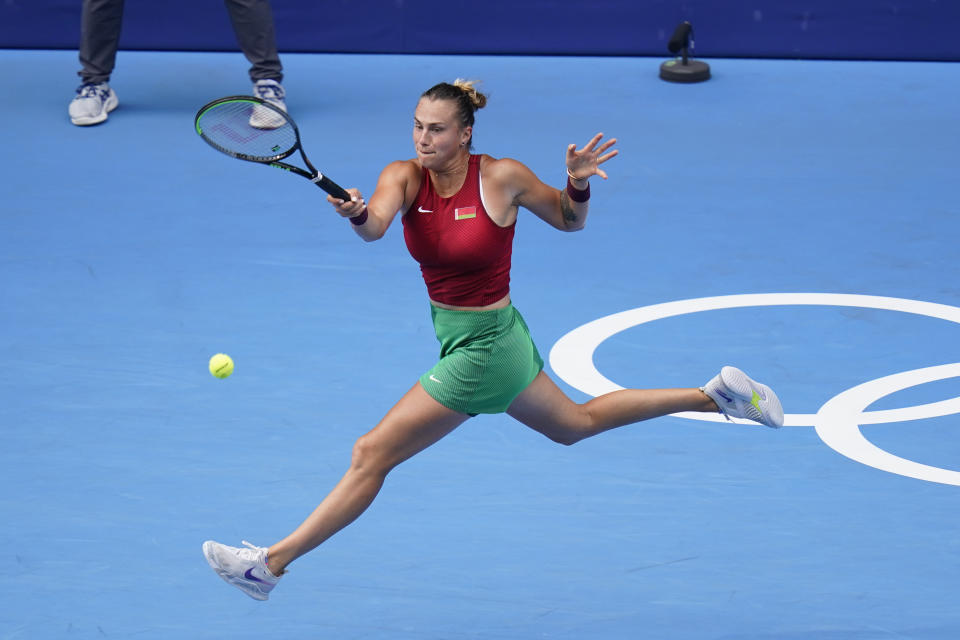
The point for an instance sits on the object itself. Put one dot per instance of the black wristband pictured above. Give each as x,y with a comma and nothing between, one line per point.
577,195
360,218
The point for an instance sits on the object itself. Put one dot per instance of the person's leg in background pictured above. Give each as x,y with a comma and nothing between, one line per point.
99,39
253,25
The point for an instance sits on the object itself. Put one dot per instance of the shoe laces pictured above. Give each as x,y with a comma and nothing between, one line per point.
91,90
264,558
252,546
269,90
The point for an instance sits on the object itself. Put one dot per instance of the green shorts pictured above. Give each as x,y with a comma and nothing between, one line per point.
486,359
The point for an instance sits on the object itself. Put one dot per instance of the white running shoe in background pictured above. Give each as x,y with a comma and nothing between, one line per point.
92,104
739,396
263,117
245,569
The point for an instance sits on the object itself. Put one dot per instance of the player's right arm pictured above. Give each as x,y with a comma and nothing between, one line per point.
392,195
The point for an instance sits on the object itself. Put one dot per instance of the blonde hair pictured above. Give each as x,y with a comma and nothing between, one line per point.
478,99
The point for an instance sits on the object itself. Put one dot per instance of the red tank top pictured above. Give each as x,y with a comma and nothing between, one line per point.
464,256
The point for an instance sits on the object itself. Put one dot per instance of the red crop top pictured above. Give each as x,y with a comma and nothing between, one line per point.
464,256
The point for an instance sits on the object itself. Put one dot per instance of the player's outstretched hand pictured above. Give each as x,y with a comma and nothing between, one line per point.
584,163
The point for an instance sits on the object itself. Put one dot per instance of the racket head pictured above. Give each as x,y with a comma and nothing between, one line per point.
226,125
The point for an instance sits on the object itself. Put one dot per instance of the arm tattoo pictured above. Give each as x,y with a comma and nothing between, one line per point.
570,217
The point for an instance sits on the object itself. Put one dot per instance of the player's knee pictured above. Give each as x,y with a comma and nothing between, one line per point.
564,438
562,434
570,427
369,456
579,425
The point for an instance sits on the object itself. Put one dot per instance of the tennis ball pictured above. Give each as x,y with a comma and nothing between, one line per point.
221,366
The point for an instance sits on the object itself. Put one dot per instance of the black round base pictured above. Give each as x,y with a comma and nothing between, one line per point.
693,71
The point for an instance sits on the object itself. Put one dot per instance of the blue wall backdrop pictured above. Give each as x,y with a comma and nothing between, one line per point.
844,29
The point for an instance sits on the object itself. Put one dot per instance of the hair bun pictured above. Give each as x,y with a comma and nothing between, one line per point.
478,99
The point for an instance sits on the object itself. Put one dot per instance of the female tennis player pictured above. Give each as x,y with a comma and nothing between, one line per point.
459,212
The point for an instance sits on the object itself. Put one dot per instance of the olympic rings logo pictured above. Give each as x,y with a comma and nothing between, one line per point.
837,422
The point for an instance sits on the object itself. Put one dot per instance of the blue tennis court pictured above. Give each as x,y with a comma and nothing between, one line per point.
808,210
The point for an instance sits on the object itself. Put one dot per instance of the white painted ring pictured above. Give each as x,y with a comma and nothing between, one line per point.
838,423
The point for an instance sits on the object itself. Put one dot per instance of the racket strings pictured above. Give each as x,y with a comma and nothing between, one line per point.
228,127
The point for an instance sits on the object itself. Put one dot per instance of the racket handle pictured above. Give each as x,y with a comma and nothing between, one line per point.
331,187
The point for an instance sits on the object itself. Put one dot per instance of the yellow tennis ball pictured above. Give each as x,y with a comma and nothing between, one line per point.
221,366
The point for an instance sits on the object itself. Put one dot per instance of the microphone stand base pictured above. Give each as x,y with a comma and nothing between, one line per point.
677,71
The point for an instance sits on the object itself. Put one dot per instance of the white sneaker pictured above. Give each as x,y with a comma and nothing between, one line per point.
263,117
741,397
92,104
245,569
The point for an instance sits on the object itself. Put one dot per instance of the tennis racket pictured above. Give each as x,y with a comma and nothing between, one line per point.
231,125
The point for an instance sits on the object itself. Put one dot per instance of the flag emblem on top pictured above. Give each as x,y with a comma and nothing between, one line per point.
464,213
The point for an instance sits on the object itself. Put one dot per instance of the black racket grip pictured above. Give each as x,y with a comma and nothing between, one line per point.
331,187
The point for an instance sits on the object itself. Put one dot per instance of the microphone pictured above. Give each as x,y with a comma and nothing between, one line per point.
680,37
683,69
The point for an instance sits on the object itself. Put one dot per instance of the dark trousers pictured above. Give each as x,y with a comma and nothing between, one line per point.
252,22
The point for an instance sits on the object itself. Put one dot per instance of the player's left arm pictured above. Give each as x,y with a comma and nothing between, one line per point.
565,209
